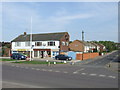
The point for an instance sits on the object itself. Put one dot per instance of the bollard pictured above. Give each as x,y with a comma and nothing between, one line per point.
65,62
108,65
46,60
72,63
54,63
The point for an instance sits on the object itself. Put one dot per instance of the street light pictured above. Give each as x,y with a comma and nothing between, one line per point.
31,40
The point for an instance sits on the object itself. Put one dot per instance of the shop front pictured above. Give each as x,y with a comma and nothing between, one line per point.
41,53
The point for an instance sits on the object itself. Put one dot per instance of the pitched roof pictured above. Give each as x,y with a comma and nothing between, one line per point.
95,44
40,37
101,45
85,43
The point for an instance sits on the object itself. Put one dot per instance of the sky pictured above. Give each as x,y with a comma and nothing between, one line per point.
98,20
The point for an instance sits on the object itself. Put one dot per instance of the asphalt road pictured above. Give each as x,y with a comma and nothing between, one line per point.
89,75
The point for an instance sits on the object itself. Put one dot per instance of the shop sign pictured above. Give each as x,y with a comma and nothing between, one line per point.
22,49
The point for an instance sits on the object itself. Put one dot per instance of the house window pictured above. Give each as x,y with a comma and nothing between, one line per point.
27,43
51,43
63,43
67,43
17,44
38,43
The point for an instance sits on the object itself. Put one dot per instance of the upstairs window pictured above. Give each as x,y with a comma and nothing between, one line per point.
38,43
17,44
67,43
27,43
63,43
51,43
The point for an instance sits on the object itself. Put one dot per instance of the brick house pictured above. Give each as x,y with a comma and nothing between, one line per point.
81,46
97,47
101,47
43,45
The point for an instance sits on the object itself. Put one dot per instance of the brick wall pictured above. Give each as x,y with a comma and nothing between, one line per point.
86,56
65,38
76,46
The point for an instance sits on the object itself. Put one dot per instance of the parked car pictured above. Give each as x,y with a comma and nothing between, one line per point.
18,56
63,57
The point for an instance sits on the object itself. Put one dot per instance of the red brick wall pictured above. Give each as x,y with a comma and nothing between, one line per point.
64,47
86,56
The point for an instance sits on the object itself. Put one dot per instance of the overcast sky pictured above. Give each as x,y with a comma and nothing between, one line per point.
99,20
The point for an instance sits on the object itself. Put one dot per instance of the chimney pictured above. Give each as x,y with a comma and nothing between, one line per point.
25,33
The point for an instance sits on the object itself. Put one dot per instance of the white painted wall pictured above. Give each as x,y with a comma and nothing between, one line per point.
86,48
36,47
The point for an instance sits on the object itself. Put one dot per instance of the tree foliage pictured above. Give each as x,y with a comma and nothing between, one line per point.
110,45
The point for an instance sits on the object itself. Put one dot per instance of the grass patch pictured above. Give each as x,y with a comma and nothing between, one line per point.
37,62
7,59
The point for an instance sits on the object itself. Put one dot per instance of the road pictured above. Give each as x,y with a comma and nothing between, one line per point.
93,74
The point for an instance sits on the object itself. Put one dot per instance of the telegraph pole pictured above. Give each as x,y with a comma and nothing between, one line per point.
82,41
82,35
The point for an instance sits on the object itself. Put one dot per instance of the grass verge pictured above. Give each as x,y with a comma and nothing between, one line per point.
7,59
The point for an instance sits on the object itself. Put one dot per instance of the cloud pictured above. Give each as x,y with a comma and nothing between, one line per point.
72,17
48,18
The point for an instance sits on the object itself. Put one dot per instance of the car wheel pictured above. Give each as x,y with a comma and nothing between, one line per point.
67,59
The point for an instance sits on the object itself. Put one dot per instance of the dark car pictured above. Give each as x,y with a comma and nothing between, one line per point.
18,56
63,57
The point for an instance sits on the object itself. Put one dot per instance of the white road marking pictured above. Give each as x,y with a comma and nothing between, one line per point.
21,67
65,72
57,71
102,75
83,73
32,68
26,67
92,74
50,70
78,71
111,76
75,72
12,65
37,69
44,70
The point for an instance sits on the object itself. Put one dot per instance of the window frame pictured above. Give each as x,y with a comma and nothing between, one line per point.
36,44
17,44
27,44
51,43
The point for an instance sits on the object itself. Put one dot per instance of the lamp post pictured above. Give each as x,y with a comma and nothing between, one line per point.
31,40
